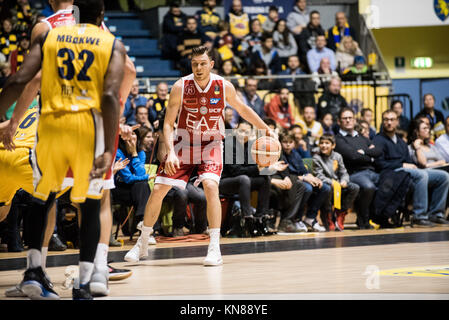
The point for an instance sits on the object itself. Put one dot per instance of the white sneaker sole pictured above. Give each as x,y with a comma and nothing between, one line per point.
209,263
15,292
34,291
98,289
131,259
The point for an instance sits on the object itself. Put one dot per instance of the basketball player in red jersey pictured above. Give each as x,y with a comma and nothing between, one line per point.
198,101
63,16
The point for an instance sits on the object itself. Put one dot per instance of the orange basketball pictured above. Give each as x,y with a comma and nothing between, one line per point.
266,151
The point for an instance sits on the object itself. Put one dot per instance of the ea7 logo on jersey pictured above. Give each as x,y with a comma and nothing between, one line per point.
203,124
214,100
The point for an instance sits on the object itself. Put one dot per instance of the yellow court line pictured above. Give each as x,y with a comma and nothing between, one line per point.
430,271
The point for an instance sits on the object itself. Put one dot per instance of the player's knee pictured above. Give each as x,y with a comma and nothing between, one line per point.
210,186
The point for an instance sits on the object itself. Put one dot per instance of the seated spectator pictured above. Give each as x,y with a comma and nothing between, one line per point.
230,118
270,22
241,175
156,107
142,117
259,68
327,123
5,73
435,117
346,53
287,189
208,19
302,146
131,183
324,74
268,54
363,128
225,47
332,101
307,38
341,29
238,20
424,154
190,38
251,98
404,122
442,143
314,128
426,182
251,40
358,156
367,115
146,143
17,56
320,51
280,110
172,27
298,18
315,192
134,100
329,167
271,124
8,38
358,72
284,42
293,68
23,15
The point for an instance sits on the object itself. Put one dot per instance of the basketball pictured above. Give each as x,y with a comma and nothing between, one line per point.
266,151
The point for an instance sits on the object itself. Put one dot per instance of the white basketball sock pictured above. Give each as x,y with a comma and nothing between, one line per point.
34,259
101,255
214,236
86,270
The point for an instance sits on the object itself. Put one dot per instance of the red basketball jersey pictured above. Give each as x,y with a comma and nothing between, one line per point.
60,18
201,117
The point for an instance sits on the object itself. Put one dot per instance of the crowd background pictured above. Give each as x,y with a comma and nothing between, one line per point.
335,160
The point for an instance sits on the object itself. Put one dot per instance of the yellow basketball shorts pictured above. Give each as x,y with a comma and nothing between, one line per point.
68,140
15,173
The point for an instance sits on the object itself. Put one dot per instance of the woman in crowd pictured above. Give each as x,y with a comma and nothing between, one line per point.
346,53
284,42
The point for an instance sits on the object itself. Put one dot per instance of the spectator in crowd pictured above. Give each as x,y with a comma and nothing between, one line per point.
358,155
271,124
238,20
230,118
181,198
341,29
298,18
228,69
358,72
324,74
280,110
320,51
346,53
156,107
8,38
404,122
22,15
226,47
270,22
307,38
17,56
131,183
268,54
363,128
332,101
435,117
424,154
172,27
293,68
287,188
142,117
442,143
284,42
208,19
251,98
367,115
146,137
329,167
252,39
241,175
314,128
190,38
327,123
302,146
134,100
426,182
5,73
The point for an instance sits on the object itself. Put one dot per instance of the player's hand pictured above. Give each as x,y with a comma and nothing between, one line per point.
101,165
7,131
120,164
279,166
127,131
171,164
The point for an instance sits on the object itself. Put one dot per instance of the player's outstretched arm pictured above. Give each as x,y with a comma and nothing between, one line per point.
174,103
245,111
16,83
110,109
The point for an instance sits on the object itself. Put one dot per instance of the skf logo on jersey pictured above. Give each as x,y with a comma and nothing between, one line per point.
214,100
190,90
441,8
203,101
203,110
217,90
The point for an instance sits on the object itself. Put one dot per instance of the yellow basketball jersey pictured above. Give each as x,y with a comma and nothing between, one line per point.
75,61
26,131
239,25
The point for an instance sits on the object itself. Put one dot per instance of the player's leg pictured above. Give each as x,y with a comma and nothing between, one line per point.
210,187
152,210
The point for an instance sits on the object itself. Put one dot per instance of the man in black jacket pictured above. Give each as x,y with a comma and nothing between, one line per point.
172,27
435,116
306,39
358,155
332,101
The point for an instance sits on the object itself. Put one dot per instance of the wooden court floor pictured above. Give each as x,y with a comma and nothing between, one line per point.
353,264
